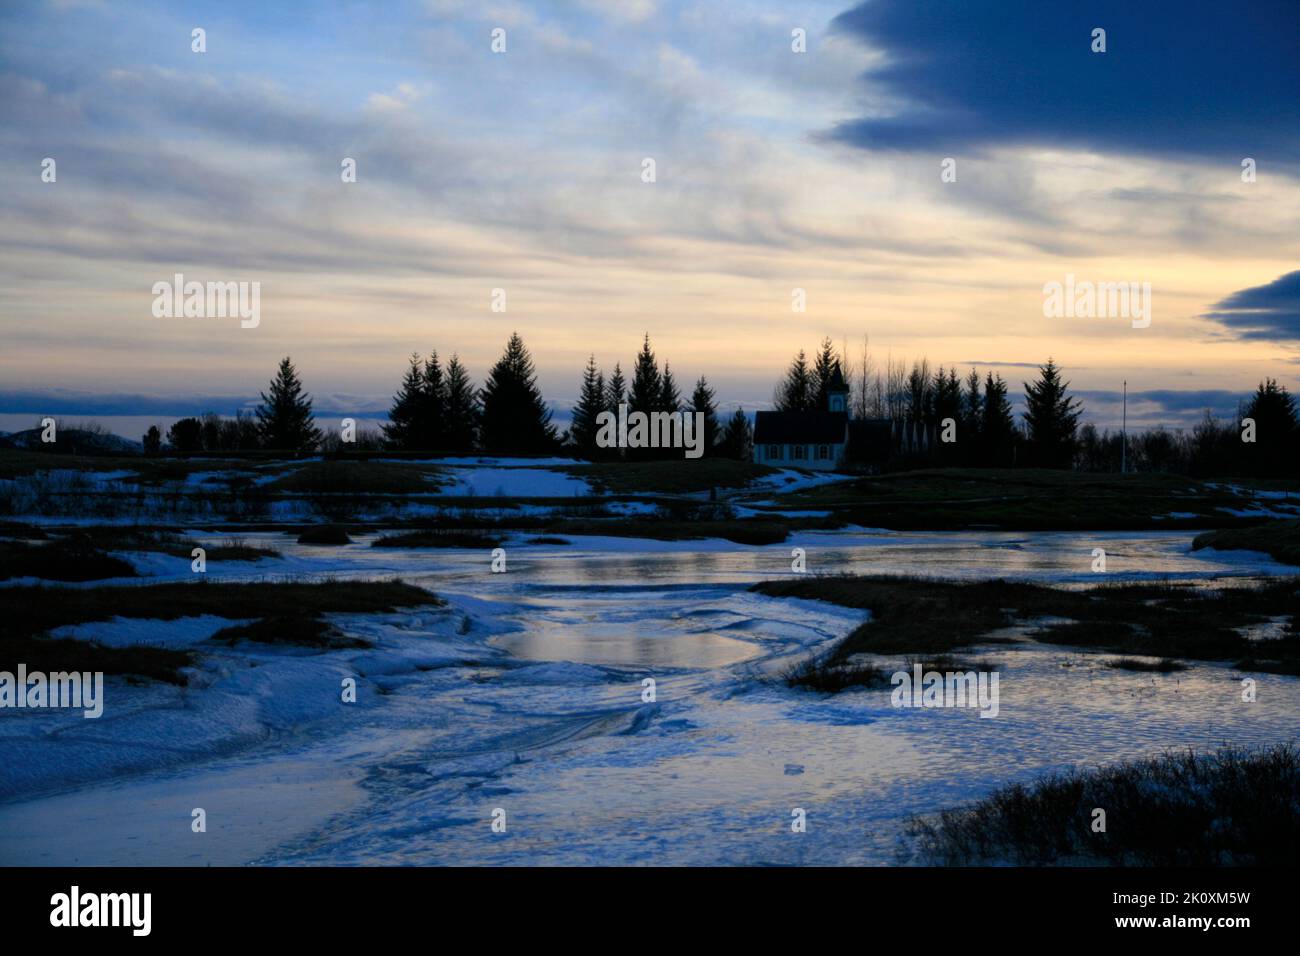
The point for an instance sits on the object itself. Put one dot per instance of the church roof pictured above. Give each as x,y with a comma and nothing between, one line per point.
800,428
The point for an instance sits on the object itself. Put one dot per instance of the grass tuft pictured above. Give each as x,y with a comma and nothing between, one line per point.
1230,808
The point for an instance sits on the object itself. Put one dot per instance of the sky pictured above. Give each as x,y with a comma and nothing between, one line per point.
522,170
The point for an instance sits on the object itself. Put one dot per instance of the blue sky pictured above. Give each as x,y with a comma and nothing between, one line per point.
521,171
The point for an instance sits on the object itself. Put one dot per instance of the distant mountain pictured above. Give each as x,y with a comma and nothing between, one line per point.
72,441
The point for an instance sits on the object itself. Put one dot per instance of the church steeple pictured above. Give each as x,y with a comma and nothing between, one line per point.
837,391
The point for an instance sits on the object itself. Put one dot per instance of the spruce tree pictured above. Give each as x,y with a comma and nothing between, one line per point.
284,418
591,402
1051,417
515,418
971,418
997,425
796,392
616,390
670,400
461,411
702,401
1273,410
823,369
152,441
647,385
738,439
402,431
433,406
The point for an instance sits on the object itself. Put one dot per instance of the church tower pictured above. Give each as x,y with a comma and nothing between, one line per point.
837,391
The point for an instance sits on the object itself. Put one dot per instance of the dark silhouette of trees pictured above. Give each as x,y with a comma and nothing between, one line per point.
1051,419
738,439
433,405
797,391
186,436
616,390
702,401
651,392
947,403
647,385
284,418
460,408
997,430
591,402
1273,452
515,418
823,370
152,441
670,400
402,432
434,409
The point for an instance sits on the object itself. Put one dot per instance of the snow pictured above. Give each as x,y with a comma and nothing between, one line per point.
489,461
124,632
526,693
513,482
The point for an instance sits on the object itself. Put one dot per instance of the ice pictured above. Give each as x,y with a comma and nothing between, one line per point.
526,692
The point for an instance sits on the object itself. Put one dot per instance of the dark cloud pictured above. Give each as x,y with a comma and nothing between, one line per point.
1196,78
1270,311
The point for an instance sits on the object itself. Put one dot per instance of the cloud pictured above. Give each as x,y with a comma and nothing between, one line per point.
1190,78
1270,311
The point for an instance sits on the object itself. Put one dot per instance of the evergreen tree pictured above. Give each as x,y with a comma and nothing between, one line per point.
152,441
591,402
823,369
796,392
433,405
461,411
645,395
403,429
284,418
738,439
947,404
1051,418
670,400
515,418
647,385
1273,410
997,425
616,390
972,416
702,401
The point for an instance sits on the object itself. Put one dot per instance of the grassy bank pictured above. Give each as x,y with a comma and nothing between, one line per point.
1230,808
285,612
1029,500
83,555
919,616
1280,540
670,477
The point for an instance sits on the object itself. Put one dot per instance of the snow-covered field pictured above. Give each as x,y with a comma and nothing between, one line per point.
525,694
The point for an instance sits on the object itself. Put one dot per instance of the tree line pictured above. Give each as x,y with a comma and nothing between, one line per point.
937,418
918,401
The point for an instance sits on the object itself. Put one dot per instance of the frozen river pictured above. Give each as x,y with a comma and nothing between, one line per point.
523,699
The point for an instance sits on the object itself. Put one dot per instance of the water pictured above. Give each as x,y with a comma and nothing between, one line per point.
526,694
